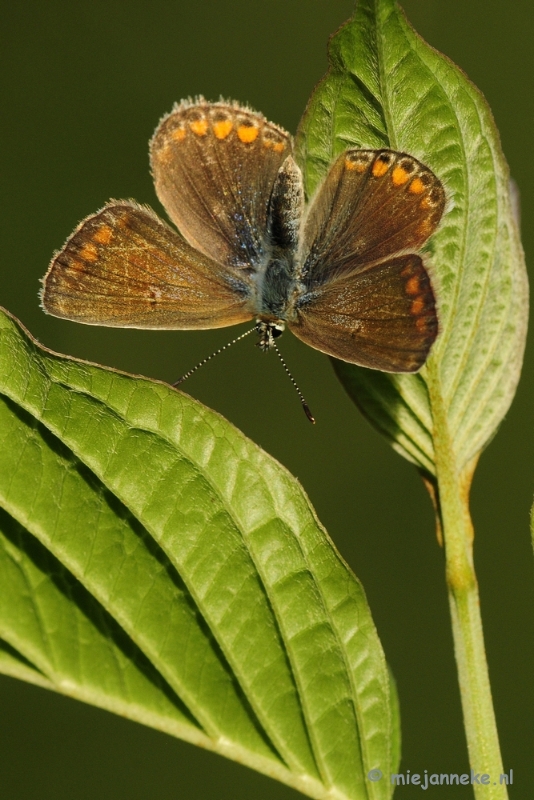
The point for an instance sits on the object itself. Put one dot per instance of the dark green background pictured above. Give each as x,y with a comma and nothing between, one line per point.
83,86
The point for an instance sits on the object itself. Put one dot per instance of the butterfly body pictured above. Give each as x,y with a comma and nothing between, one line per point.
277,281
343,273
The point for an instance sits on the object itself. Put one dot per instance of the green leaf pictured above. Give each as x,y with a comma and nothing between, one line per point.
387,88
157,563
70,643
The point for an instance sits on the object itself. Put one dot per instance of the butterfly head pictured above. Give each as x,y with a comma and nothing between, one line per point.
268,331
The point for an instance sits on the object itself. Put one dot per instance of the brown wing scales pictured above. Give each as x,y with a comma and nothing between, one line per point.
372,205
214,167
383,317
124,267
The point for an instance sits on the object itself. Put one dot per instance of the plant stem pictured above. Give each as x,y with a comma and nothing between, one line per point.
453,486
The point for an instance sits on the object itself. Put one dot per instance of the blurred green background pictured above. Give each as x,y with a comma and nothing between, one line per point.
83,86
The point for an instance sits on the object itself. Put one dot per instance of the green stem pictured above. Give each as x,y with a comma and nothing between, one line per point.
453,502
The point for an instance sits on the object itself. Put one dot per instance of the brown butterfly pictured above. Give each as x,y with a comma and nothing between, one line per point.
341,273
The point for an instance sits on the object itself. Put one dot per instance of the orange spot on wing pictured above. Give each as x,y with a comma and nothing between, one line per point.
416,186
379,168
399,176
425,228
426,202
412,285
103,235
178,134
89,252
417,306
248,134
272,140
420,323
199,126
165,152
222,128
355,166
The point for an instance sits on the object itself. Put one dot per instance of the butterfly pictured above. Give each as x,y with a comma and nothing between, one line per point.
343,272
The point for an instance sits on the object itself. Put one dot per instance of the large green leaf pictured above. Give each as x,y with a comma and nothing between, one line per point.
157,563
387,88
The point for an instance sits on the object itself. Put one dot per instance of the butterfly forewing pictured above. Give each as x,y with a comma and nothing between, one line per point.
382,317
124,267
214,167
373,204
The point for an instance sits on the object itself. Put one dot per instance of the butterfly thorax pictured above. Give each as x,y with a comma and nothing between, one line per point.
275,287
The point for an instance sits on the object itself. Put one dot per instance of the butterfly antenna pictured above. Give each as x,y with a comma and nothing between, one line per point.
305,406
216,353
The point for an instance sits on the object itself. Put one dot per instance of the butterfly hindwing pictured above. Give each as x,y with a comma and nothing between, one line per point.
125,267
383,317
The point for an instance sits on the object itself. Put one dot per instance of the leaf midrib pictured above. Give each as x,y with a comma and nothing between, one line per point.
453,314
